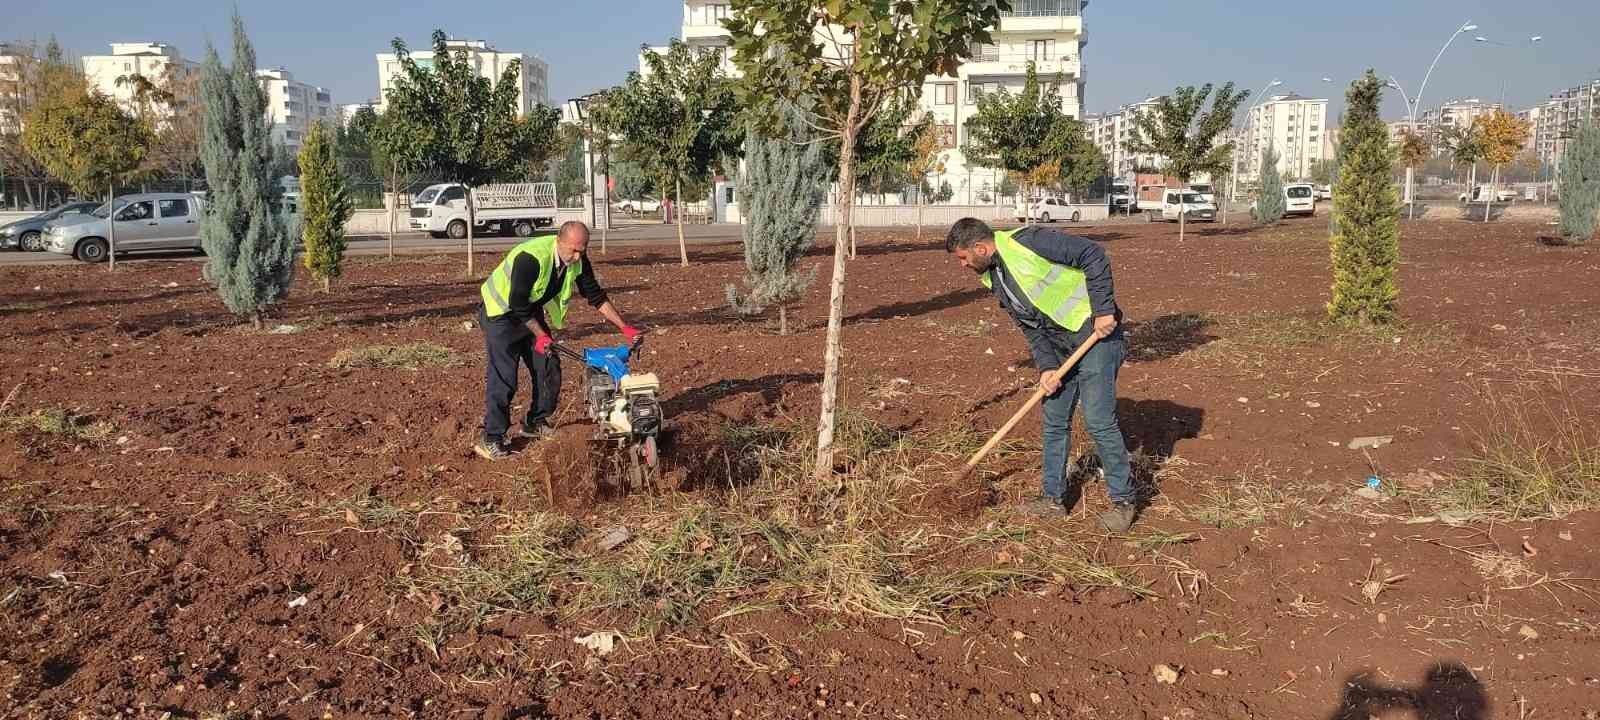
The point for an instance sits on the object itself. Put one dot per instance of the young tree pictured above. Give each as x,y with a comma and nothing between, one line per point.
397,156
785,181
249,248
1181,130
1322,172
1270,201
567,169
1503,135
884,150
1413,150
90,143
1580,185
1366,210
467,124
1014,132
40,77
945,194
677,122
324,205
1465,147
927,158
849,57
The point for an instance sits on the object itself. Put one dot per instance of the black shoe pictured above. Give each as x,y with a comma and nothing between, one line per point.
492,450
535,432
1119,518
1042,506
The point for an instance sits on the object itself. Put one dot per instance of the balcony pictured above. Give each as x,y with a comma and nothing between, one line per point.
705,32
1062,16
1016,65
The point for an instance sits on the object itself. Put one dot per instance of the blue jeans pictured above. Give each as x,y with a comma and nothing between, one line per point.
1094,382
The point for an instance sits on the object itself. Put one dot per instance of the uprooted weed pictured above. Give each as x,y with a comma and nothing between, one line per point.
1534,460
411,357
851,545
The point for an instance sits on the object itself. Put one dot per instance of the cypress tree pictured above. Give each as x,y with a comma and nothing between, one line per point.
784,183
248,244
1580,186
324,205
1270,203
1366,209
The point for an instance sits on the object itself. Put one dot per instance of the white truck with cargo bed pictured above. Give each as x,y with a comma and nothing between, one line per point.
513,208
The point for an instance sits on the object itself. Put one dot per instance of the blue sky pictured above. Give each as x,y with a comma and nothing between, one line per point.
1135,48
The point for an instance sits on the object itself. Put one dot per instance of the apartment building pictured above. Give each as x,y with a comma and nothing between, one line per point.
293,107
13,62
1294,127
533,84
1557,119
1113,132
155,61
1047,33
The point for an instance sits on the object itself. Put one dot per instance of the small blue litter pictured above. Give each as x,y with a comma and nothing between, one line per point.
1373,482
613,360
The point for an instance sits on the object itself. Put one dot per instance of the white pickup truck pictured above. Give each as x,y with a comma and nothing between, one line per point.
514,208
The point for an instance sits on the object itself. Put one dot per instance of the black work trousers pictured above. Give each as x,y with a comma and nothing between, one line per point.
508,343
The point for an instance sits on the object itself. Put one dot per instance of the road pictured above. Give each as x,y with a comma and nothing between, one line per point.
417,243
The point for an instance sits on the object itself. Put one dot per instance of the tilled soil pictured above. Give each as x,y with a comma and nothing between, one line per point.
241,544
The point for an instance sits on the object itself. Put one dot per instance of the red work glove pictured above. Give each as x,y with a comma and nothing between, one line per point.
542,344
631,333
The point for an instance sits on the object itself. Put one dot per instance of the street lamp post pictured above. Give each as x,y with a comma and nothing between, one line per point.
1249,123
1412,103
1528,44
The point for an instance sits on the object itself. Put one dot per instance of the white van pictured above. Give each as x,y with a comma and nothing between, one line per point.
1300,199
1188,204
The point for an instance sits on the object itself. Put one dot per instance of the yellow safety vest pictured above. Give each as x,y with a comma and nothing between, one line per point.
1058,291
497,288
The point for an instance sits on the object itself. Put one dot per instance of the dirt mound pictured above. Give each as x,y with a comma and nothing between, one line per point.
949,494
568,466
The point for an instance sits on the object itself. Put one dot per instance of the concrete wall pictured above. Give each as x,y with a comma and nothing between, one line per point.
901,215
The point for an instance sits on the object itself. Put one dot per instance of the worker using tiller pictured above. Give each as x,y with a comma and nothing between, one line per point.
524,301
1058,289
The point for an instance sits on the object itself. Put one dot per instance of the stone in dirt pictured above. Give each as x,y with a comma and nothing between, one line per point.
1165,674
1371,442
613,537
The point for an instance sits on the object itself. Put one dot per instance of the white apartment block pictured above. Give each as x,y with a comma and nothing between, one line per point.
12,62
293,107
1113,132
1557,119
1294,127
1458,114
1047,33
151,60
533,85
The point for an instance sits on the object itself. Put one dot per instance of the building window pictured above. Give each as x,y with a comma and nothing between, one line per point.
1041,50
716,13
944,94
946,135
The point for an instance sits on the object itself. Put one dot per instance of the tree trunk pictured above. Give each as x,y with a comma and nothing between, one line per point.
852,236
783,319
394,207
920,201
1488,197
830,364
111,227
1183,215
472,219
677,214
1411,197
327,285
255,321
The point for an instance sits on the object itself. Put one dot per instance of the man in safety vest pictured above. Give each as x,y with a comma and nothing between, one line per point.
1058,289
524,301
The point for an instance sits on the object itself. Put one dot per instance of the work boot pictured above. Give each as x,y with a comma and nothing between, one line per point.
1119,518
1042,506
492,450
540,430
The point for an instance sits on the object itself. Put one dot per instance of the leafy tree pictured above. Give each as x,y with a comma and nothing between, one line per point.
1503,135
927,158
1270,202
785,181
567,169
945,194
1183,131
1580,185
1024,134
324,205
846,59
90,143
1366,209
1465,146
249,248
632,182
466,125
1322,172
1413,150
40,76
398,157
677,122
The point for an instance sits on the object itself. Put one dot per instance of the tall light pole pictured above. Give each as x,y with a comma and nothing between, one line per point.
1412,103
1526,44
1249,122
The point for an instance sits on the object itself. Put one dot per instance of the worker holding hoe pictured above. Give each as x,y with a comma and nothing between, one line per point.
1058,289
524,302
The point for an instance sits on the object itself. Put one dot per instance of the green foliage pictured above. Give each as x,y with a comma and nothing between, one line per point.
945,192
1322,172
1366,207
1580,185
1465,145
632,183
1270,202
1027,134
887,147
678,122
462,125
567,168
1181,130
249,249
85,140
324,205
784,183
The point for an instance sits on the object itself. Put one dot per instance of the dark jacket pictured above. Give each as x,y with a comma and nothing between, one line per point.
1047,340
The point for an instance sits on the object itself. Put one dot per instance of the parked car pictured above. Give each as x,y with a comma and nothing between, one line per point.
1300,199
1176,204
1047,210
149,221
637,207
1481,193
1206,192
1324,192
28,234
1120,197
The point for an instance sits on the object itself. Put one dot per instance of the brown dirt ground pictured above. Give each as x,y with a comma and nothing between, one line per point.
161,572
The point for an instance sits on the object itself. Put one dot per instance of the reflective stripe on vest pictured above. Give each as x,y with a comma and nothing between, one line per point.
1058,291
497,288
